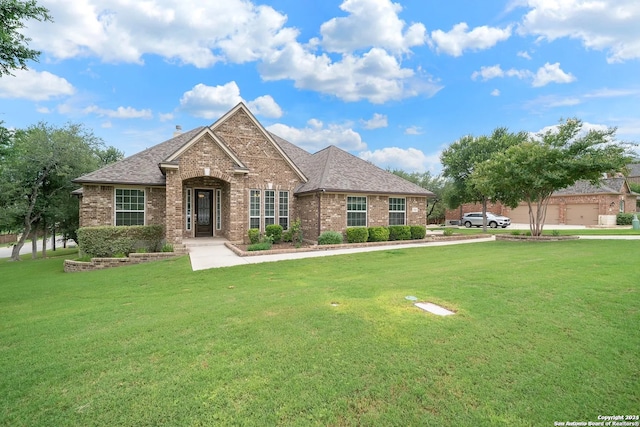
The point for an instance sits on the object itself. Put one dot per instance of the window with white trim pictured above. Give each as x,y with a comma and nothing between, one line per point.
397,211
254,209
187,213
129,206
269,207
283,209
218,209
356,211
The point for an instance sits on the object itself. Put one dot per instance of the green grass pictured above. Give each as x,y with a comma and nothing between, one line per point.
543,332
548,232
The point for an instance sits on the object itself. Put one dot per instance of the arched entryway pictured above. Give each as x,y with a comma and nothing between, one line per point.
206,207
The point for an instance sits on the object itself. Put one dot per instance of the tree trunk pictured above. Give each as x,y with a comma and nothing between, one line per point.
484,214
44,238
53,238
34,243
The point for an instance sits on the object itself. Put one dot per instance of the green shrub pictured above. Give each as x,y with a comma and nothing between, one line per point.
399,232
330,238
515,233
167,247
418,231
262,246
378,234
448,232
296,232
254,235
357,234
555,232
287,236
527,233
275,231
624,218
109,240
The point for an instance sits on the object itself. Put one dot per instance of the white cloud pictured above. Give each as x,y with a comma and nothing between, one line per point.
376,122
371,23
265,106
34,85
548,73
317,136
551,73
610,25
524,54
459,39
238,31
409,159
376,76
413,130
586,127
495,92
43,110
119,113
211,102
165,117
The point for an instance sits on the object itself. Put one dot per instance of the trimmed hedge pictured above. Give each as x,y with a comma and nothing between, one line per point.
330,238
418,232
624,218
275,231
399,232
378,234
105,242
357,234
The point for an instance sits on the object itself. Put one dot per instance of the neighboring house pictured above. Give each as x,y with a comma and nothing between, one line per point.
226,178
634,173
580,204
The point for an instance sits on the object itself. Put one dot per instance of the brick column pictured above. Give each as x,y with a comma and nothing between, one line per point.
174,220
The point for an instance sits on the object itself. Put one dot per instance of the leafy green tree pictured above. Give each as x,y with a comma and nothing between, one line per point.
36,174
532,170
14,46
435,184
462,158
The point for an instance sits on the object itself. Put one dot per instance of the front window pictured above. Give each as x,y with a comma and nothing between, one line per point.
283,210
396,211
254,209
269,207
356,211
129,206
188,209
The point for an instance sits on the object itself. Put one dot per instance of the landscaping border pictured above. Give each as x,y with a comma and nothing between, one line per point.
316,247
515,238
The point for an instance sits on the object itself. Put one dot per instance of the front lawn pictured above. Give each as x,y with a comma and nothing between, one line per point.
543,332
548,232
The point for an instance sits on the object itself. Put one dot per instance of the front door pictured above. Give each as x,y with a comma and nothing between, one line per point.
204,210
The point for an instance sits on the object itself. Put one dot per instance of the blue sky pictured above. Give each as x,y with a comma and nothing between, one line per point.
392,82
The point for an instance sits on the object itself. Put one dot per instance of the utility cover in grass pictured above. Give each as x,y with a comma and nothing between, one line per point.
433,308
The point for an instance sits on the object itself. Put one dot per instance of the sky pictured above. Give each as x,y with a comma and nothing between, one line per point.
393,82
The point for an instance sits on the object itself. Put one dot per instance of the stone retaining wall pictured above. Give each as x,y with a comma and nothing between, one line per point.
71,266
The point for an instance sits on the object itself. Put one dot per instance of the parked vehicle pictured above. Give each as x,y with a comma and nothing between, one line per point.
494,221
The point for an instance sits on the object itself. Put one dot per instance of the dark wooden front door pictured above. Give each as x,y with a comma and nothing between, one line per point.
204,212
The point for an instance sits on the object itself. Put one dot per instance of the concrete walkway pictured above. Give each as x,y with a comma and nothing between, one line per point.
212,253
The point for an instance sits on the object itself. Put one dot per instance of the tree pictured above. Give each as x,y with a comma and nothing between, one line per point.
461,159
36,174
532,170
14,50
435,184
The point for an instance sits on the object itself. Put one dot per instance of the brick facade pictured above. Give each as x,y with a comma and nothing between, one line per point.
235,156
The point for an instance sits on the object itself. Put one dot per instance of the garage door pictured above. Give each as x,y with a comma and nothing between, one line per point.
583,214
520,215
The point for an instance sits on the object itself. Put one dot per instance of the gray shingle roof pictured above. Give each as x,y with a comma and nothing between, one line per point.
335,170
331,169
141,168
606,186
634,169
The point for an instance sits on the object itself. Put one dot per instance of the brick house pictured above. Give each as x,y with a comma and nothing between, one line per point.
223,179
582,203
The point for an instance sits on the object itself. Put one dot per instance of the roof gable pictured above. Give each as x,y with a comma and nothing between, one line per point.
240,108
605,186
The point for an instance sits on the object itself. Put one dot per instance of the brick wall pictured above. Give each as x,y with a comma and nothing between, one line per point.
96,205
71,266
